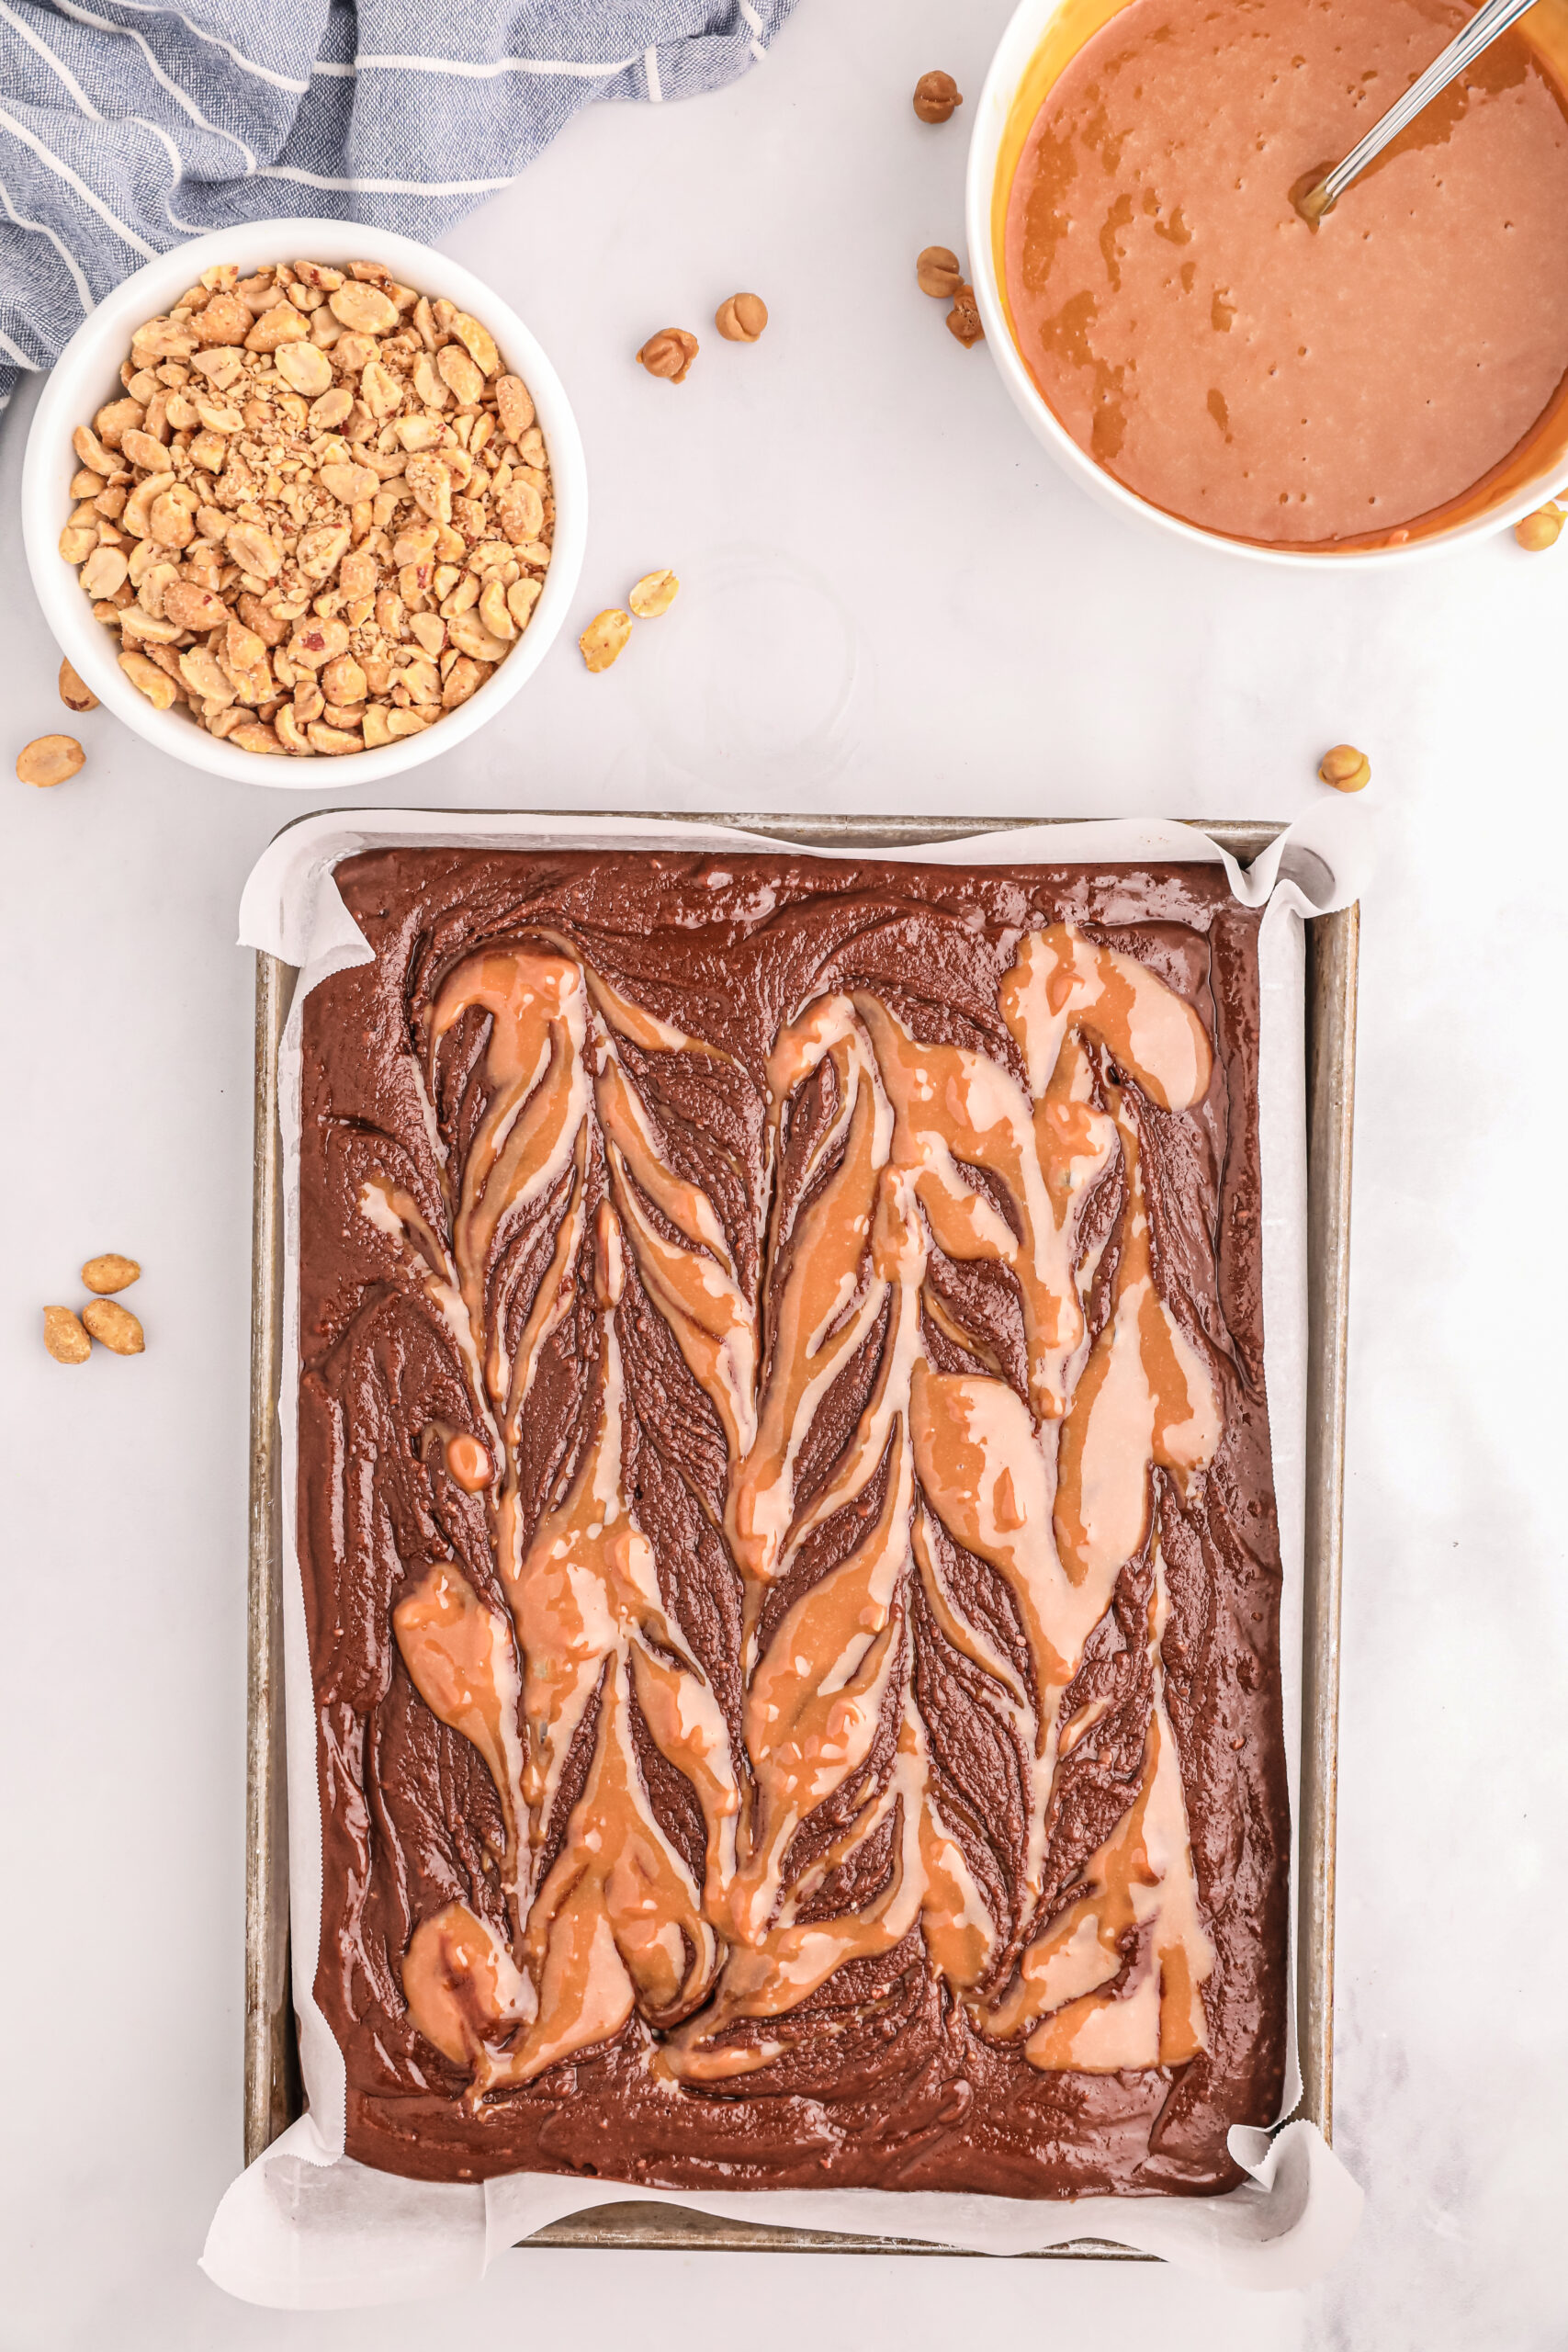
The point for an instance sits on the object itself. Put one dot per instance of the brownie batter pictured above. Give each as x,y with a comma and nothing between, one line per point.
1300,386
788,1524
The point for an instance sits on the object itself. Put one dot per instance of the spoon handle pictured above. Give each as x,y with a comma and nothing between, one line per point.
1483,29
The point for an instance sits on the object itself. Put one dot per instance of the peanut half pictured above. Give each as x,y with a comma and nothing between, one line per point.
654,593
49,759
604,639
1537,532
73,692
115,1326
110,1271
63,1336
964,319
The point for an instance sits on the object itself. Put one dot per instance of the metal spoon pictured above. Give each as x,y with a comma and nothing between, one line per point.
1323,194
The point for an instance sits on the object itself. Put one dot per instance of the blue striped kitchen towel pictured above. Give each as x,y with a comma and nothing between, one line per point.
131,124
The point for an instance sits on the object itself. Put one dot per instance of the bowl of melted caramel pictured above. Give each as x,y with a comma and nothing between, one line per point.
1380,384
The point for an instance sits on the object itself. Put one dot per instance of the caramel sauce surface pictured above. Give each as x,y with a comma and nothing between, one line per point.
1262,378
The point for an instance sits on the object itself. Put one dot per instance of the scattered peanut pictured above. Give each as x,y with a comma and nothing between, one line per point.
937,273
115,1326
63,1336
964,319
73,693
1345,768
245,510
654,593
604,639
936,94
49,759
1537,532
743,318
669,354
110,1271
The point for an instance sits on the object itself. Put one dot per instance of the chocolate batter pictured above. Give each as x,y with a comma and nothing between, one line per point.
788,1524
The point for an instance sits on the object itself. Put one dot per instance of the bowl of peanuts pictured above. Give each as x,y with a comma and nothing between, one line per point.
304,490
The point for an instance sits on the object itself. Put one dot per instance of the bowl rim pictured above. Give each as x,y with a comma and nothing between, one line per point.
73,392
1020,38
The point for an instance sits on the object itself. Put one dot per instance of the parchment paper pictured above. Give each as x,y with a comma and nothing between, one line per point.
306,2227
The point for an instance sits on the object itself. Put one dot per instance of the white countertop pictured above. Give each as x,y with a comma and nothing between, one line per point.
891,602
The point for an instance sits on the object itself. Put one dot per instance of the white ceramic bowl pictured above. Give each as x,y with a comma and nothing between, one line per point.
87,374
1028,28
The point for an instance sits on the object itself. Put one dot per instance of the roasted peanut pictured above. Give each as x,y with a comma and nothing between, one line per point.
743,318
104,571
521,510
305,368
477,341
64,1337
144,450
468,632
225,320
275,328
937,273
203,673
964,320
654,593
49,759
462,375
349,484
936,95
73,694
191,608
112,421
669,354
334,740
462,681
253,736
604,639
93,454
513,406
114,1325
1537,532
343,680
430,485
110,1271
1345,768
494,611
148,680
363,308
521,598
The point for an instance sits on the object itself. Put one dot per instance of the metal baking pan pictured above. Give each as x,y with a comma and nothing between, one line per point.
273,2094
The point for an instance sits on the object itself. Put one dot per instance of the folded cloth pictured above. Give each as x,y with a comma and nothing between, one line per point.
131,124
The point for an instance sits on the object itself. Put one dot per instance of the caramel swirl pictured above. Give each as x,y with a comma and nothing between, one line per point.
568,1214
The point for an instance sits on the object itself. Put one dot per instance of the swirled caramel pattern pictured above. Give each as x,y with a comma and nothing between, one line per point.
784,1458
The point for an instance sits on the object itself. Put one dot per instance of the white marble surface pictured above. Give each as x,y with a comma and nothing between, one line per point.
892,603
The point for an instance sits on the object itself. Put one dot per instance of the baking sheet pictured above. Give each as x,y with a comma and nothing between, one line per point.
1288,2219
